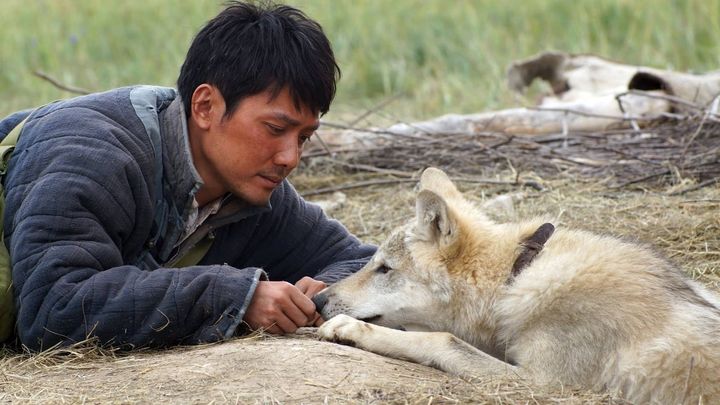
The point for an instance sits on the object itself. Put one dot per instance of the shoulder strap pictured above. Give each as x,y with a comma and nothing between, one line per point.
194,255
145,101
8,145
7,307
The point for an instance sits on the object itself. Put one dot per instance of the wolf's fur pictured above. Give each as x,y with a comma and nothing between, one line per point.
590,311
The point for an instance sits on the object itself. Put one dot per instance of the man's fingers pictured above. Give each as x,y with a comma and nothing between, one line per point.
286,324
296,316
315,288
318,320
303,303
309,286
279,327
274,329
303,285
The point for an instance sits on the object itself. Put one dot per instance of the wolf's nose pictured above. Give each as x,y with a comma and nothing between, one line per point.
320,300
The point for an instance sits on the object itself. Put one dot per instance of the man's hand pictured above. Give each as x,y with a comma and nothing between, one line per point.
309,286
280,307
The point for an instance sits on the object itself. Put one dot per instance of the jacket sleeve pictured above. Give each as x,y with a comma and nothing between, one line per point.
77,209
296,239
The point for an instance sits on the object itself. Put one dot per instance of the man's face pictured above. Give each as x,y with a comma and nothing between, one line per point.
251,151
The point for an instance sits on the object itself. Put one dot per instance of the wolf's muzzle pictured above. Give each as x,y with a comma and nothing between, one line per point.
320,300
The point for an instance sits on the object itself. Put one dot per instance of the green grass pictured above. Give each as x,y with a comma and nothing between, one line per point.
438,56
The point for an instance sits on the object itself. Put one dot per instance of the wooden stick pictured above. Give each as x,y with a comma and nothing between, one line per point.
323,144
593,115
375,109
698,186
360,184
374,169
56,83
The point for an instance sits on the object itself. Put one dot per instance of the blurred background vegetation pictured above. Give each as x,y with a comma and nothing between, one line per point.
430,57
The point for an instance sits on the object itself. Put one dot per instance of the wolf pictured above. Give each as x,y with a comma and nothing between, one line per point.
457,291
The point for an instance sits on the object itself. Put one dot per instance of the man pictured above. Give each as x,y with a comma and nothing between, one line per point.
104,193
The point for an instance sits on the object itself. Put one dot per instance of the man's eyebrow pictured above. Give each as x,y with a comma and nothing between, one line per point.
291,121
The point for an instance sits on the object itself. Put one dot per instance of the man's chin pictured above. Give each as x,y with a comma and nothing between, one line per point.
256,197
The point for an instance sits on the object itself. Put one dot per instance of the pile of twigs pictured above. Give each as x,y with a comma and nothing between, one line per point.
666,151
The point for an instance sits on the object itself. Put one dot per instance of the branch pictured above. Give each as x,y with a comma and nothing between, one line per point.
56,83
698,186
532,184
374,169
323,144
667,97
593,115
375,109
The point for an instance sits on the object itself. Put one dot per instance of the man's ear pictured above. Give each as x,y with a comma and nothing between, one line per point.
205,105
435,222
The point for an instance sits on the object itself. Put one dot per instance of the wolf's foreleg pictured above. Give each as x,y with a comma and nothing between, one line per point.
441,350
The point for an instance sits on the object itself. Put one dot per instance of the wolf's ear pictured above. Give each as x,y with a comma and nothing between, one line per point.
434,219
436,180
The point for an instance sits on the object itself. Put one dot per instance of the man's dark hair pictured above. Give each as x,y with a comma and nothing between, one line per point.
249,48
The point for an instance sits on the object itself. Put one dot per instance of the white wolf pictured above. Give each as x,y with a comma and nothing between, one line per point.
569,306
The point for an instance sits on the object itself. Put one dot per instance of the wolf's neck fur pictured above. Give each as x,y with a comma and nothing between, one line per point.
484,265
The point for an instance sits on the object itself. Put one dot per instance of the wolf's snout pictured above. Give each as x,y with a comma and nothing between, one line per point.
320,300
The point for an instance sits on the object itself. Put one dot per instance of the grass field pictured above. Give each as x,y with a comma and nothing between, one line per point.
435,56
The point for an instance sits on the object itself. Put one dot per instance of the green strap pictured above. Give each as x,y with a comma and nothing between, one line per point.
194,255
12,137
8,145
7,309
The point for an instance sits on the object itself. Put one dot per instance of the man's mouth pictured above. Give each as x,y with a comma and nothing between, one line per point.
272,179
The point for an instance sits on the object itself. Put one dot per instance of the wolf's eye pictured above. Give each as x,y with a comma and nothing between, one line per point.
383,269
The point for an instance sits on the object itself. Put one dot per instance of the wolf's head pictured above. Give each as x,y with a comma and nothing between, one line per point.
420,273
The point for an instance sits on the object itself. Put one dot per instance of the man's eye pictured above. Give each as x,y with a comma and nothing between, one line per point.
383,269
275,129
305,138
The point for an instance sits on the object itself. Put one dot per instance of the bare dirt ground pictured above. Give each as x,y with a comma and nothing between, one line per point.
684,225
262,369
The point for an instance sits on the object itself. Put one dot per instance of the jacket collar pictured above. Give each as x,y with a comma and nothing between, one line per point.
180,176
182,181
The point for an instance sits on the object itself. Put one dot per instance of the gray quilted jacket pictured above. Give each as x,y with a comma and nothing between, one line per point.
91,236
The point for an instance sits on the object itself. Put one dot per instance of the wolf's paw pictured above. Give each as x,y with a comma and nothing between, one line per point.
344,329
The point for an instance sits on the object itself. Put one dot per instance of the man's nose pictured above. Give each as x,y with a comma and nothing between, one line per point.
288,155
